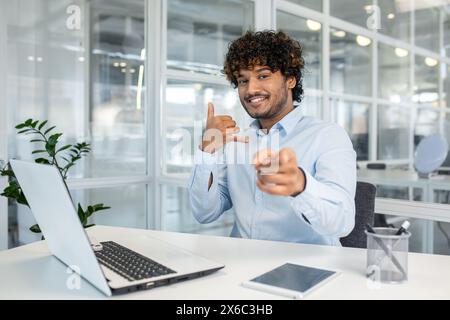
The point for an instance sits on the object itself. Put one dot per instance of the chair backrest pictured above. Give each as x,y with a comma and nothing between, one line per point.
364,214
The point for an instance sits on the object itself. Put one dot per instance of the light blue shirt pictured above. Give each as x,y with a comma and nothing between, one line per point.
321,214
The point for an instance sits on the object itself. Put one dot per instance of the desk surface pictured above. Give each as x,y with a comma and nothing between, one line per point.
400,177
30,272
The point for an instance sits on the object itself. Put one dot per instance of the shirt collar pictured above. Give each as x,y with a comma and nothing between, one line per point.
287,124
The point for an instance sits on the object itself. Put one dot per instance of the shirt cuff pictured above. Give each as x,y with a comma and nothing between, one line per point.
303,204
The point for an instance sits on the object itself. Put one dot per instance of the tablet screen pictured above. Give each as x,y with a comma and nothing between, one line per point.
294,277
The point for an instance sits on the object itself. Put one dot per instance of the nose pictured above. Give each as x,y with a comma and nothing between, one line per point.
253,87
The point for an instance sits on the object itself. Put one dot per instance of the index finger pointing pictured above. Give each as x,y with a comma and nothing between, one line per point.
261,157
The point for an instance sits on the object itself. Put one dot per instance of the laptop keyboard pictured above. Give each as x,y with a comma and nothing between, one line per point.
128,263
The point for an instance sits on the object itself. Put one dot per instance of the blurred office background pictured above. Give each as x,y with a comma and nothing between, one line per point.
132,77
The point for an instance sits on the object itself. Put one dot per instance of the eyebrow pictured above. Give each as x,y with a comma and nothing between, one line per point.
257,70
263,69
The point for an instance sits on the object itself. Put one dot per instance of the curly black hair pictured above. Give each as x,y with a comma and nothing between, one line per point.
275,50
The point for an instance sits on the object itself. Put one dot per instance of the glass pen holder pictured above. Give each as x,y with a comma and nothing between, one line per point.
387,255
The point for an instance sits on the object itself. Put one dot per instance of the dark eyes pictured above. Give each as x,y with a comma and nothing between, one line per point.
260,77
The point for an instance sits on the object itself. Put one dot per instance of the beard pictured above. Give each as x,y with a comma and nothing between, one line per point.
276,105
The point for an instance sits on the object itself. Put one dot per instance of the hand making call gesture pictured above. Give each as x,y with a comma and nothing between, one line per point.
219,131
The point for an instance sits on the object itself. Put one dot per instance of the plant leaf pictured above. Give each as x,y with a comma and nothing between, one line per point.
81,213
34,124
23,131
37,140
49,129
89,225
51,143
38,151
64,148
42,160
20,126
42,125
54,137
7,173
99,207
69,165
22,200
35,229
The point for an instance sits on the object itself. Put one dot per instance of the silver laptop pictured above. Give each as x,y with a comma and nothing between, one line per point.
111,267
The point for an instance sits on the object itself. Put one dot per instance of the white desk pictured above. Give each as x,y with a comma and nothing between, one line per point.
30,272
406,178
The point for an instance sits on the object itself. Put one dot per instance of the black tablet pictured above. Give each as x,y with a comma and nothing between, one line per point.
291,280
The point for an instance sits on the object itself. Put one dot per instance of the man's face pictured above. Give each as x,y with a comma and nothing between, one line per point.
264,94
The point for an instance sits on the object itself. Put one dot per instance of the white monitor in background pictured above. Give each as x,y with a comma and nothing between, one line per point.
430,154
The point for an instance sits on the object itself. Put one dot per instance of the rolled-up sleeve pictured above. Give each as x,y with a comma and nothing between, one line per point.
208,205
328,202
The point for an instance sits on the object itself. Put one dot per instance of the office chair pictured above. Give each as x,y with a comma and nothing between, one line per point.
364,214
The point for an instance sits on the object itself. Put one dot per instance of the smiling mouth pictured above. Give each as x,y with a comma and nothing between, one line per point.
256,101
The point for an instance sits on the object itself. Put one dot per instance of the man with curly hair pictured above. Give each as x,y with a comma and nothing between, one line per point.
299,190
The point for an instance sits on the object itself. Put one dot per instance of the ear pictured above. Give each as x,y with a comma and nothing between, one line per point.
291,82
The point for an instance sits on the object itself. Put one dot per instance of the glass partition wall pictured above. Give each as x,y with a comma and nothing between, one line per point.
385,67
133,79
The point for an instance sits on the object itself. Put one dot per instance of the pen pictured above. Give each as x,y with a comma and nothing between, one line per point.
387,251
403,228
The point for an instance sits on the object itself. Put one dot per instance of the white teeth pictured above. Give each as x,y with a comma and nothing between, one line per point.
257,100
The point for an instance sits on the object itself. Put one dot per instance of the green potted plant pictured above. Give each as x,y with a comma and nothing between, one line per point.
64,158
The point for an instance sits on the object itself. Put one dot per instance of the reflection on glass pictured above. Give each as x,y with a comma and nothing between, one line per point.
45,73
446,132
427,16
311,106
393,132
427,123
128,205
400,192
354,118
354,11
441,244
198,32
420,233
117,70
392,192
184,115
446,29
442,196
350,64
312,4
393,69
445,101
308,33
426,86
395,19
177,215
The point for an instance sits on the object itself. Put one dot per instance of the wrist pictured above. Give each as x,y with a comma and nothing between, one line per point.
301,185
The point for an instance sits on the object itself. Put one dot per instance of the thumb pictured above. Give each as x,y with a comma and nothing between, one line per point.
210,110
